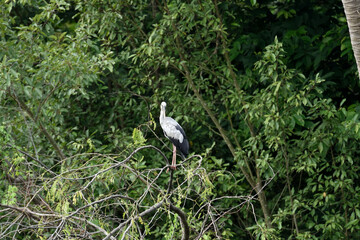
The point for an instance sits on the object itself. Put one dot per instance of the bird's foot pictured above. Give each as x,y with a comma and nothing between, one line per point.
171,167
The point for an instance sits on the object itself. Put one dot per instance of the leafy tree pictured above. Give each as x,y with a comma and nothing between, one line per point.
262,90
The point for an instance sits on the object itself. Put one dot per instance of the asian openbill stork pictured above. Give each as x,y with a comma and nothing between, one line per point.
175,133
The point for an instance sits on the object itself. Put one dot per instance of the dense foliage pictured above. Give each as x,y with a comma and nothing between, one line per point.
266,92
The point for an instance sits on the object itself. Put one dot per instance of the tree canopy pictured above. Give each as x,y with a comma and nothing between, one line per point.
266,91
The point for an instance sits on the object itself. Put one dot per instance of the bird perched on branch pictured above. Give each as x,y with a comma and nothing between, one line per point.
175,133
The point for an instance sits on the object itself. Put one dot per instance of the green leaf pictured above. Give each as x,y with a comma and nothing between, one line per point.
321,147
299,119
138,137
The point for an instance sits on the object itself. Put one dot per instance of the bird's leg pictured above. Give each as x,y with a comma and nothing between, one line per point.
173,164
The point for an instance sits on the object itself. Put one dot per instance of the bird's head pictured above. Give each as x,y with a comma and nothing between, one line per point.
163,105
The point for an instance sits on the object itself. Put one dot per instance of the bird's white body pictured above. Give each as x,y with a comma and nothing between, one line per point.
171,129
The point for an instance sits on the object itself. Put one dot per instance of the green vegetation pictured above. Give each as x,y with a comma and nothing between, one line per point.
267,92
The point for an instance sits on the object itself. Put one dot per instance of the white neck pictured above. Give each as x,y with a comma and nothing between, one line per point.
162,114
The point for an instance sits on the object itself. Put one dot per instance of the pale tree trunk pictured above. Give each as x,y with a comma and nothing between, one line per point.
352,12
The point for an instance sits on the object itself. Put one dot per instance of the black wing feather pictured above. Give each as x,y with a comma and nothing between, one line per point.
184,146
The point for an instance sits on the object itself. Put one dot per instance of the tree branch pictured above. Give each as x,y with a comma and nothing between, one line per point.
183,221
